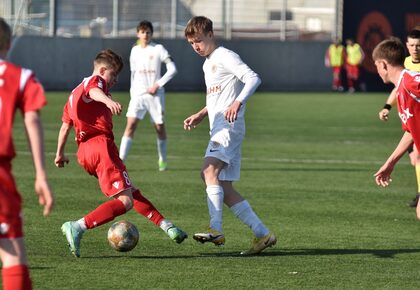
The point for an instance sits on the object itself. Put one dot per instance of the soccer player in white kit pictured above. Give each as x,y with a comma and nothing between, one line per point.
230,82
147,92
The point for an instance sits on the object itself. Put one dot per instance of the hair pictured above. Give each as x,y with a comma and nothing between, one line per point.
415,33
198,25
392,50
143,25
5,34
110,59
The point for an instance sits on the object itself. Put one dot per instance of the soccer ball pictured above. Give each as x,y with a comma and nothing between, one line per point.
123,236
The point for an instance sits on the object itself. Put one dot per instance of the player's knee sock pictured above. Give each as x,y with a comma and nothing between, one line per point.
104,213
418,177
161,147
215,196
244,212
144,207
350,83
16,278
125,146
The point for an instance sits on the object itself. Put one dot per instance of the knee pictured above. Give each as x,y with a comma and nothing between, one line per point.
209,176
127,201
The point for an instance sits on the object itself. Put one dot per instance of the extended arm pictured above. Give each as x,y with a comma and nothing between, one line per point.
383,175
60,157
99,96
35,136
193,120
391,101
170,73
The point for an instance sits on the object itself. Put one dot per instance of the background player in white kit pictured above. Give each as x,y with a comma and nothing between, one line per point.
230,82
147,92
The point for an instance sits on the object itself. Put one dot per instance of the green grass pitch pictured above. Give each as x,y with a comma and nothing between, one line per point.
307,170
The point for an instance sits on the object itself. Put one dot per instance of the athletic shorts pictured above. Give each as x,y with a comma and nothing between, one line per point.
352,71
140,104
225,145
10,203
99,157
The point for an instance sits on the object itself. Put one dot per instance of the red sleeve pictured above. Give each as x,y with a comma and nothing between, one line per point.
96,82
33,97
66,116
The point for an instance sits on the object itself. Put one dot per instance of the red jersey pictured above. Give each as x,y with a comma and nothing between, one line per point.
19,89
89,118
408,96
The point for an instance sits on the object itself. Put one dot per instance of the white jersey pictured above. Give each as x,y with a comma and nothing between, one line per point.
224,73
145,66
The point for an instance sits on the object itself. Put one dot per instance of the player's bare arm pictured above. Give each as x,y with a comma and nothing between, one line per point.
383,175
35,137
391,101
231,114
192,121
99,96
60,157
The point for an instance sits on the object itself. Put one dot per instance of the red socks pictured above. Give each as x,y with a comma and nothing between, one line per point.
104,213
16,278
146,208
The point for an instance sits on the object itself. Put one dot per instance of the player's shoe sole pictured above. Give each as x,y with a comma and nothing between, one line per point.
176,234
259,245
212,236
73,235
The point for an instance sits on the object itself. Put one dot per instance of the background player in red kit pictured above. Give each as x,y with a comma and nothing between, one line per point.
389,56
89,110
18,90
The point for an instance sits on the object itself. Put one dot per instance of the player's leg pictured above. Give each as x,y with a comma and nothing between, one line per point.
156,106
144,207
161,146
106,212
415,161
15,272
209,173
127,138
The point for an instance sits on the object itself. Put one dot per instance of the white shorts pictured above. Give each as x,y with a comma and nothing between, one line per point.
225,145
141,104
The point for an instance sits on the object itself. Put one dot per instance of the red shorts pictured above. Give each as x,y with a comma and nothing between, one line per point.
99,157
352,71
10,203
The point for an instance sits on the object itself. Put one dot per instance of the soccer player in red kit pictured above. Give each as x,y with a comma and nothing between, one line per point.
89,110
19,90
389,56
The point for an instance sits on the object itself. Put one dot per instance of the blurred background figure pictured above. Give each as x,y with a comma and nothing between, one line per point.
334,58
354,58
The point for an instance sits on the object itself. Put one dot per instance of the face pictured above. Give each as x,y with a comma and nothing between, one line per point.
203,44
109,75
381,67
413,46
145,35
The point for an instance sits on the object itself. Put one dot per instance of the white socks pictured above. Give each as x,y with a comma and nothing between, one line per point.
82,224
125,146
161,147
215,204
243,211
165,225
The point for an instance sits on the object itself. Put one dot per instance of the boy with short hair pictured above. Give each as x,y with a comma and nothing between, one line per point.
89,110
411,62
19,89
389,57
147,93
230,82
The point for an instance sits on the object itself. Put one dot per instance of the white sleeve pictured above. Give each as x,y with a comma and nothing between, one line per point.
251,82
170,73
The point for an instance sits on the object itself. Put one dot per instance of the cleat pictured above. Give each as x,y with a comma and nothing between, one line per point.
259,245
212,236
414,202
176,234
163,165
73,234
